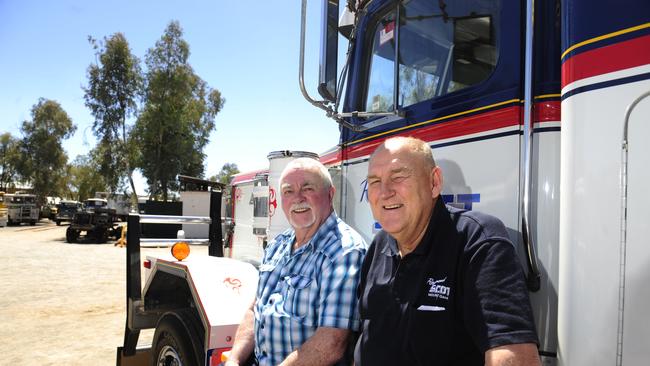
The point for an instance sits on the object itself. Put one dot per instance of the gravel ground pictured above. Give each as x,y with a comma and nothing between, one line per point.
61,303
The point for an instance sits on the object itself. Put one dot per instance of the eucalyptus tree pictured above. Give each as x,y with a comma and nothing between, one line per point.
84,178
114,84
225,175
9,160
43,159
178,115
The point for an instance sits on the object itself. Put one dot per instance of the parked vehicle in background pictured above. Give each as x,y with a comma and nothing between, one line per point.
3,210
118,202
21,208
49,210
96,220
66,211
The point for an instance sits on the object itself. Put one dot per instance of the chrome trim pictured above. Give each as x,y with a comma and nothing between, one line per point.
533,276
171,219
623,244
165,242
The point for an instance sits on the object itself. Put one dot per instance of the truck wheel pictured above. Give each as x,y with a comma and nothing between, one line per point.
32,223
172,345
58,222
71,235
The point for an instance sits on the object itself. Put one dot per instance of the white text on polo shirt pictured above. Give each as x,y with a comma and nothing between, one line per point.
437,289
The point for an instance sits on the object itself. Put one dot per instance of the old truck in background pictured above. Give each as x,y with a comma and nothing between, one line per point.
21,207
118,202
96,220
3,210
65,211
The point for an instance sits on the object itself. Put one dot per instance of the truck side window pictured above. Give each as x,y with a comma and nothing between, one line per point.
444,46
381,82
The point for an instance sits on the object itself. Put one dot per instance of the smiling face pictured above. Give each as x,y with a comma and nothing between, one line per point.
306,200
403,185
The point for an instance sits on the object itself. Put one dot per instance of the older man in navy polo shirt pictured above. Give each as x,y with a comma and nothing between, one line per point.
306,306
439,286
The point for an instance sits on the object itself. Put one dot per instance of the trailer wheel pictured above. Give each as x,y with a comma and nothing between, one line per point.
71,235
32,223
172,345
58,222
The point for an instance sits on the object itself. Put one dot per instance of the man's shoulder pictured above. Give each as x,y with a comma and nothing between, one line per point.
350,238
341,239
279,243
478,225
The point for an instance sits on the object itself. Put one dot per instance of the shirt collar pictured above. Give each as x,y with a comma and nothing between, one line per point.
439,211
317,239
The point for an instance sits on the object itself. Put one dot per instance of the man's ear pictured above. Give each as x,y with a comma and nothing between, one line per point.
436,181
331,192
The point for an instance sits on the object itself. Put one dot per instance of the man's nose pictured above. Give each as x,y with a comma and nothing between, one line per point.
299,196
386,188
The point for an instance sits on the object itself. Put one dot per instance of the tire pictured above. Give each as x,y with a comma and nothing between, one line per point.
71,235
172,345
58,222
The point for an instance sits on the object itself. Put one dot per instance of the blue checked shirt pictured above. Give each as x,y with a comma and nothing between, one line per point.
313,287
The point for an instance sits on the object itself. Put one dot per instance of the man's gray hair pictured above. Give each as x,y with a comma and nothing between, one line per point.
309,164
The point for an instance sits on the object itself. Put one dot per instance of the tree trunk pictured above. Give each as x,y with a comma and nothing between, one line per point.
125,149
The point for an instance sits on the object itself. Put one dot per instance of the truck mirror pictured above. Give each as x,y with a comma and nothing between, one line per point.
328,50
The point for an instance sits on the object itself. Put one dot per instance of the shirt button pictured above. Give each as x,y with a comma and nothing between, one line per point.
271,301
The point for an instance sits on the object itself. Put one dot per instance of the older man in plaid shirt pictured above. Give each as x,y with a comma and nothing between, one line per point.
306,307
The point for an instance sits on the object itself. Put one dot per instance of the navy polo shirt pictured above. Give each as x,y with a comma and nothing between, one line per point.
458,294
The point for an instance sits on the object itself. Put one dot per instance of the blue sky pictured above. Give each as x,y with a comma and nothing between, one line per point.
247,49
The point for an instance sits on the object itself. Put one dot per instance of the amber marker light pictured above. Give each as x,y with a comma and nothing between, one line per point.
180,250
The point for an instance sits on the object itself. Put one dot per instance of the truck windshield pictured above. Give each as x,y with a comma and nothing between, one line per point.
443,47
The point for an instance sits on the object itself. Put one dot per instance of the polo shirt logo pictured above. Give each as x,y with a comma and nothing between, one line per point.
437,288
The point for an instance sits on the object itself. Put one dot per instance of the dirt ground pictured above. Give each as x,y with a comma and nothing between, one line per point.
61,303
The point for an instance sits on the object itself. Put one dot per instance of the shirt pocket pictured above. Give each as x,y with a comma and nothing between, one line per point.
298,301
432,327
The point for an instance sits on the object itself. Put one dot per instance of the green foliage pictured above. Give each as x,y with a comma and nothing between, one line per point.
43,159
226,173
84,178
9,160
178,115
114,84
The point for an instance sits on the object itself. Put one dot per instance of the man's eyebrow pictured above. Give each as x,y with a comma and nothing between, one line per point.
402,169
308,184
305,184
